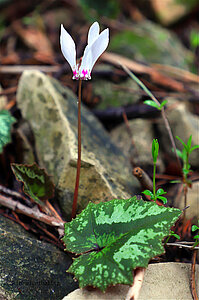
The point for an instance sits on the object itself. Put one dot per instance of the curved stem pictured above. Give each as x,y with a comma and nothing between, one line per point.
162,110
74,208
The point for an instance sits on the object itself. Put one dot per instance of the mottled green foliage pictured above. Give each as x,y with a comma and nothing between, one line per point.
115,237
37,184
6,121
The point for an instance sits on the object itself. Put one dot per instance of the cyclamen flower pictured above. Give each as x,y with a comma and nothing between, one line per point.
97,44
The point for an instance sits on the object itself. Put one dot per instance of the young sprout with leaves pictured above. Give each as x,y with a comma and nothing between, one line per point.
186,169
97,44
155,195
184,155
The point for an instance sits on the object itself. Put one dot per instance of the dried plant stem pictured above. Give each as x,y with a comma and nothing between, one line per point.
134,291
158,103
185,190
143,178
33,213
193,278
74,208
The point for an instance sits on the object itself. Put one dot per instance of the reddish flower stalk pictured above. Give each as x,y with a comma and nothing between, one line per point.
74,208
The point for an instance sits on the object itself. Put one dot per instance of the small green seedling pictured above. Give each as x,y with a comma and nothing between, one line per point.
154,104
155,194
172,234
184,155
196,237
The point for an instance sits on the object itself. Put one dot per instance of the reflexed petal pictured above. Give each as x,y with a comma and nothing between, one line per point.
99,46
93,33
92,53
68,48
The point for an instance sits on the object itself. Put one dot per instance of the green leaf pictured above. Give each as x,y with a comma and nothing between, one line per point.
193,148
115,237
147,193
160,192
189,143
37,184
194,228
6,121
155,149
163,103
163,199
175,181
152,103
185,146
179,153
184,154
176,236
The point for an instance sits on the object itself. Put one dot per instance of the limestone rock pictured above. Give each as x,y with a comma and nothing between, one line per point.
173,283
31,269
52,113
142,135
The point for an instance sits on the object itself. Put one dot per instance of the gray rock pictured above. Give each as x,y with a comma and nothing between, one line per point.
173,283
52,113
151,43
142,136
183,124
115,95
31,269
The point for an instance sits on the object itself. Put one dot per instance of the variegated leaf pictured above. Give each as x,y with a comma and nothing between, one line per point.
114,238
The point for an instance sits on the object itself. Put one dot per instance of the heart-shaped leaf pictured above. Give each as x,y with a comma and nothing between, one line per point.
114,238
37,184
6,121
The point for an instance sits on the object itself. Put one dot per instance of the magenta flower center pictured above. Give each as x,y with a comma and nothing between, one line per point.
84,72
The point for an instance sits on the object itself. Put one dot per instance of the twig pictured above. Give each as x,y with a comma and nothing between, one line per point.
143,178
183,245
193,279
74,208
134,291
30,212
8,91
15,194
20,69
53,211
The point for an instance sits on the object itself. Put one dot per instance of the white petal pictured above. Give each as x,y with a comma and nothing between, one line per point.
68,48
91,54
93,33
